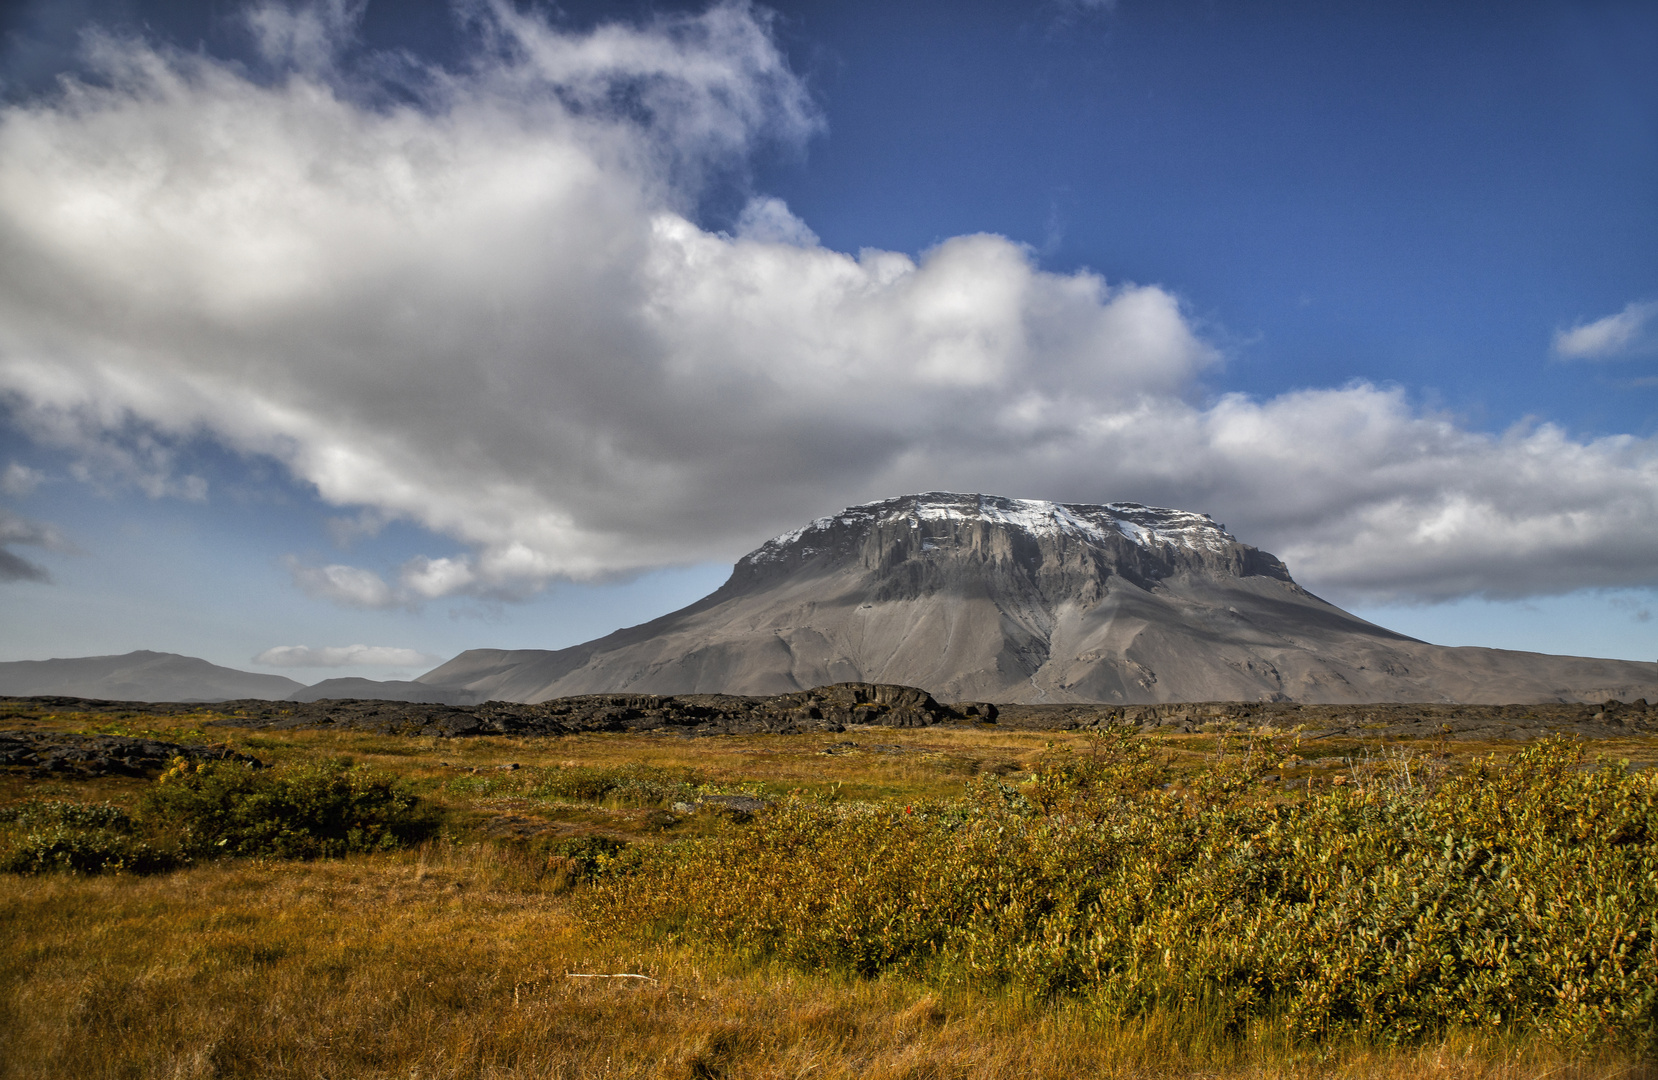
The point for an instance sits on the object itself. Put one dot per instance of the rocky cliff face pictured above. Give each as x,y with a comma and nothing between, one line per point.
976,597
1053,553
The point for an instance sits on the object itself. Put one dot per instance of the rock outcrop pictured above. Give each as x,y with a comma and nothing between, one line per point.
825,708
40,753
856,706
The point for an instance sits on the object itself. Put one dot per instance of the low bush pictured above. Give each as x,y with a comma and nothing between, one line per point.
627,785
591,853
1516,896
41,835
303,812
38,813
209,809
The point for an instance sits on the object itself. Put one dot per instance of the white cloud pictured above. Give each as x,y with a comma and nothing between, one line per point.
349,586
768,220
492,316
347,530
426,578
334,656
308,38
19,480
1632,331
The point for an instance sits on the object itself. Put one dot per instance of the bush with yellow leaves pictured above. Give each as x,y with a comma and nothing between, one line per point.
1519,895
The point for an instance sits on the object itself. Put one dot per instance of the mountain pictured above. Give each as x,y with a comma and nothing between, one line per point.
976,597
139,676
377,690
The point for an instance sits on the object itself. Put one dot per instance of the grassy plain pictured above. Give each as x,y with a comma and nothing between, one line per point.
468,955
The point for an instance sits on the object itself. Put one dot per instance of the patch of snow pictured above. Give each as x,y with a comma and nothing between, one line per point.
1147,526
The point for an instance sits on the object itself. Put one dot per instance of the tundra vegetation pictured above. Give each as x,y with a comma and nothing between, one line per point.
949,901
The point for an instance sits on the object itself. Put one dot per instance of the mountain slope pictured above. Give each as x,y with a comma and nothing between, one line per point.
378,690
139,676
984,598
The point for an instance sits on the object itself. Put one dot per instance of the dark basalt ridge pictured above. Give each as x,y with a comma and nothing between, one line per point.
834,708
825,708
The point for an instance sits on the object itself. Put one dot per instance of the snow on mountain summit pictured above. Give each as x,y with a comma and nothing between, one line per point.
1148,526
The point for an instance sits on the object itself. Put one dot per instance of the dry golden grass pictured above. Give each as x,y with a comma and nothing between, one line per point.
455,962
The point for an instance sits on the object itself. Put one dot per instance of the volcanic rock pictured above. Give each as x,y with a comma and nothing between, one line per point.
825,708
837,708
62,753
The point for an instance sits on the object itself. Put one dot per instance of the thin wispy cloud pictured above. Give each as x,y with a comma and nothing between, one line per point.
1631,332
491,314
1067,13
337,656
19,480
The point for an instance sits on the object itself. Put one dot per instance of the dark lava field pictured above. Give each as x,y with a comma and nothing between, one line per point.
835,708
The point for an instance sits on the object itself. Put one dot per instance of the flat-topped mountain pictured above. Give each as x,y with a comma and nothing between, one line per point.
977,597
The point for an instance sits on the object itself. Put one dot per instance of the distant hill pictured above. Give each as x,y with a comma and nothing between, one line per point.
139,676
982,598
374,690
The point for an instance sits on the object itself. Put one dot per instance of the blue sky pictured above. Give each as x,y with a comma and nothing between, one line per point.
387,325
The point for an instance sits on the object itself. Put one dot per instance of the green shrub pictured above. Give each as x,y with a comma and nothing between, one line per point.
628,785
1521,896
589,856
86,851
1116,763
41,835
210,809
307,811
35,813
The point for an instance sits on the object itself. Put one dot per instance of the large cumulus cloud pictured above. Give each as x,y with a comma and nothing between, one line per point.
490,311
